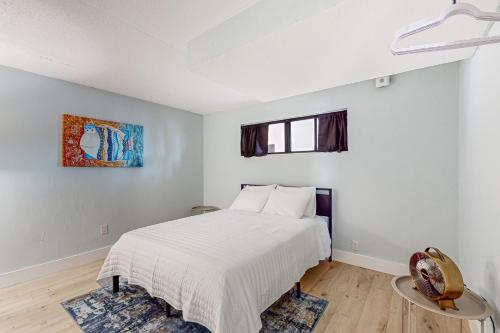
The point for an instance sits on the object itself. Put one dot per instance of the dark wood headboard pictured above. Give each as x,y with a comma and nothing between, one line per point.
324,207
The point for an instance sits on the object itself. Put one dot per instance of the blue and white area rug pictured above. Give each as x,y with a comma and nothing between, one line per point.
133,310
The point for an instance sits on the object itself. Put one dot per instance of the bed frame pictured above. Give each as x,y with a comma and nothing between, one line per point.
324,207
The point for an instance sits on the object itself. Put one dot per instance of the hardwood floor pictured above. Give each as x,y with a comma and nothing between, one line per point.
360,301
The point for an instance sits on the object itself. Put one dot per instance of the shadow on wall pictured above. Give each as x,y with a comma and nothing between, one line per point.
491,290
169,147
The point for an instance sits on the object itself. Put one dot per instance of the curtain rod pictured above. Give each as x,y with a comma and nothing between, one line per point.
293,118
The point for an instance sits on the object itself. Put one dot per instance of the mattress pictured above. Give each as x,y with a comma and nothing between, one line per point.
222,269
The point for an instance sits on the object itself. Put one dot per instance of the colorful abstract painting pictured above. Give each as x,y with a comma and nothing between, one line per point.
88,142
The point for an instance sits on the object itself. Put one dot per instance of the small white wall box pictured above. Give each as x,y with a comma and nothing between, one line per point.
383,81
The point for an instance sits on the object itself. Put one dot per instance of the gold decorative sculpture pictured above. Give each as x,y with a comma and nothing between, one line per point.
437,277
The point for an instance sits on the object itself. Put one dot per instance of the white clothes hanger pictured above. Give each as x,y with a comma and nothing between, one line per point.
453,10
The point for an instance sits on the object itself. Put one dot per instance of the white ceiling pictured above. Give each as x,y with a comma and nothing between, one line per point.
214,55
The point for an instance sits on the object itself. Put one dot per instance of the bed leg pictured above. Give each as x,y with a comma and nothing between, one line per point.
116,283
169,310
297,288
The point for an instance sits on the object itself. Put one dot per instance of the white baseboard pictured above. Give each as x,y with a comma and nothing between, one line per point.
46,268
376,264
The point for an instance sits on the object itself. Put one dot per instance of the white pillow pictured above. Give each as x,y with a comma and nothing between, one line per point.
260,188
251,201
285,203
310,210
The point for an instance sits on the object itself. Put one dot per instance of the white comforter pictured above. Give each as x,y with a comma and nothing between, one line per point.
222,269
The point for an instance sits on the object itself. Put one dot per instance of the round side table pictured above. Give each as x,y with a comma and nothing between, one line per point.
196,210
470,305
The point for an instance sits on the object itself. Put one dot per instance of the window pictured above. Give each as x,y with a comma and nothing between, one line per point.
276,138
292,136
303,135
325,132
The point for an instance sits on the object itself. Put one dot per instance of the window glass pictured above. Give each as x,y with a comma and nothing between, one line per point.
302,135
276,139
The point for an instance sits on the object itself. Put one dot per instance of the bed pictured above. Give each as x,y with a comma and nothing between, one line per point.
223,269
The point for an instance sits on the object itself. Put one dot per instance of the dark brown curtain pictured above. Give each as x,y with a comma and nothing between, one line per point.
254,140
332,132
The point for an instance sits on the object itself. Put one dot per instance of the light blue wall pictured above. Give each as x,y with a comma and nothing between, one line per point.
479,173
49,212
396,188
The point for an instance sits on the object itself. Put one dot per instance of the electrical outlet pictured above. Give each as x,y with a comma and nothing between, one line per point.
104,229
355,245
